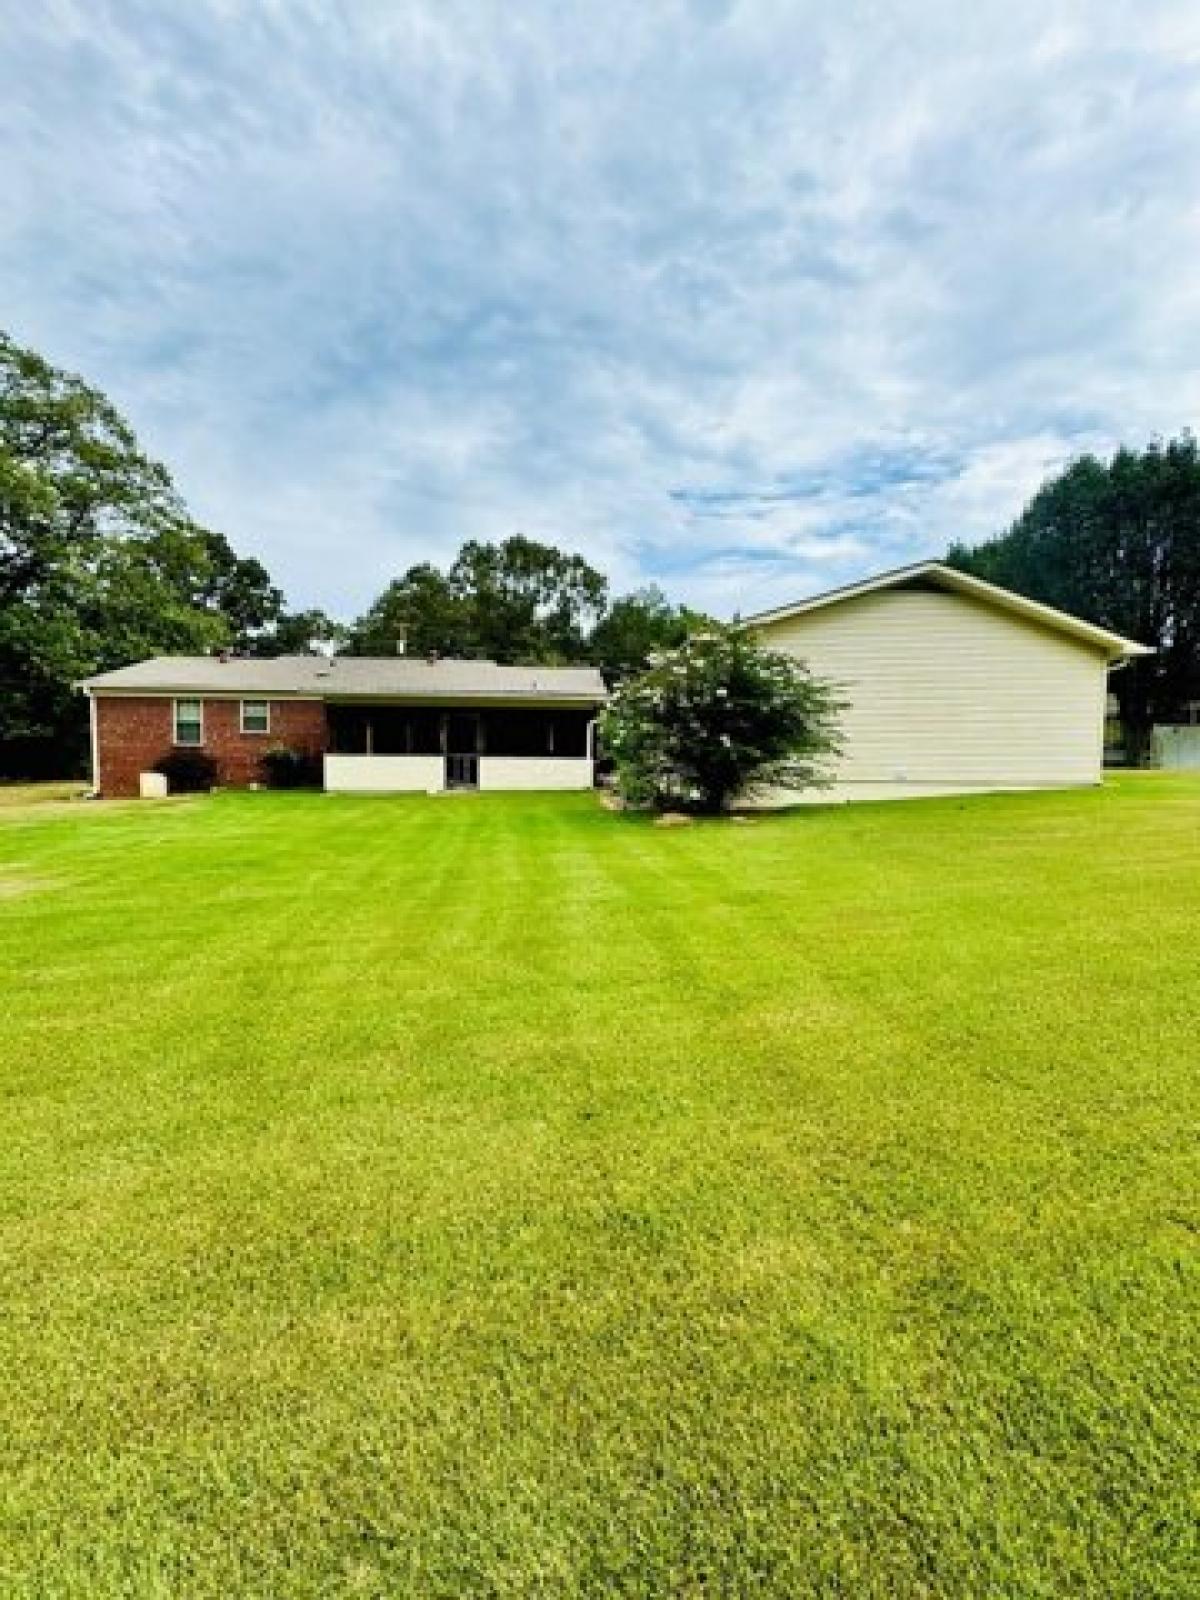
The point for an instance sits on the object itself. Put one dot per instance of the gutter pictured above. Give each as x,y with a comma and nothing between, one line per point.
95,741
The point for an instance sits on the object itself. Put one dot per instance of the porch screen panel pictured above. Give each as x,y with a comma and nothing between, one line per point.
511,731
518,731
394,730
571,733
389,731
423,730
347,730
406,730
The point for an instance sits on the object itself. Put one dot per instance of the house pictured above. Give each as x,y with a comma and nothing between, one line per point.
399,723
952,685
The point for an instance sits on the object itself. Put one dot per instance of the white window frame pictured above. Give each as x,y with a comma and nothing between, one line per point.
186,700
254,733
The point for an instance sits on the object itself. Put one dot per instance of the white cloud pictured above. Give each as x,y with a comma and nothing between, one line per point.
741,296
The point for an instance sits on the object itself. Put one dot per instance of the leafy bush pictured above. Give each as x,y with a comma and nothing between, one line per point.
285,768
188,771
717,719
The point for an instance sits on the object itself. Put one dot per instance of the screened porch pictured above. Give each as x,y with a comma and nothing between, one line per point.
386,746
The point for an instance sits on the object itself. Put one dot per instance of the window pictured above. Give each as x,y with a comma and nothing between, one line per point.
256,716
189,722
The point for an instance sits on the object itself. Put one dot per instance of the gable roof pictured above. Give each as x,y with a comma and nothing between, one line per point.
351,677
936,573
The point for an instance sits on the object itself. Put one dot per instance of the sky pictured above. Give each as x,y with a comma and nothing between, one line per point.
747,299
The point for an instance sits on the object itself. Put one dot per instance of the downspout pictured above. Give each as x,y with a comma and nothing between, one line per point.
95,740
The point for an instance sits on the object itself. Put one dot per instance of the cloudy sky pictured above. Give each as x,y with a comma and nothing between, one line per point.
745,296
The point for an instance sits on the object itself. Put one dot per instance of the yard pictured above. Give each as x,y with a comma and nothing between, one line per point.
494,1196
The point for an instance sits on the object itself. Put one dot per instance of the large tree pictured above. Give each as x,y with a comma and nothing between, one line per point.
420,611
100,562
634,627
1117,541
240,588
514,601
298,633
528,601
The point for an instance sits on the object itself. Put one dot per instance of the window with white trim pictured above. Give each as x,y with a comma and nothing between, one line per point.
189,722
256,716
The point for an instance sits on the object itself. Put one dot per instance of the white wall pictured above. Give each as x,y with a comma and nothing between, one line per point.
383,774
949,695
426,774
535,772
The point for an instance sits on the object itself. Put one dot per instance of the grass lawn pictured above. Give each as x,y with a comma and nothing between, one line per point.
21,797
494,1196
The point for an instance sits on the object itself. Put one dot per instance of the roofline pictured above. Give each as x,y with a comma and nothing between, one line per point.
465,697
1115,645
320,681
563,697
98,686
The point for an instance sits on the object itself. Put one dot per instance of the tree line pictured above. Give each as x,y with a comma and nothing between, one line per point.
101,564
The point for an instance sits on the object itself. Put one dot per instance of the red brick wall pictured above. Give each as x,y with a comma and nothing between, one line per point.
135,731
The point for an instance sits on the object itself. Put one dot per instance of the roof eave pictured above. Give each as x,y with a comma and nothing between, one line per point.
1115,645
325,692
418,697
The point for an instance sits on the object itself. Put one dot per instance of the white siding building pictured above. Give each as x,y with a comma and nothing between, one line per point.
952,685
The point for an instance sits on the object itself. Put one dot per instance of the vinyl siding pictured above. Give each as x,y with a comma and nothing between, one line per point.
947,693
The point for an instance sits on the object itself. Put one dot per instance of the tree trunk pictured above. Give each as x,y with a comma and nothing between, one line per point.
1132,687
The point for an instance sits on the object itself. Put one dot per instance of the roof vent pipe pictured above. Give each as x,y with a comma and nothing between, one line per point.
401,641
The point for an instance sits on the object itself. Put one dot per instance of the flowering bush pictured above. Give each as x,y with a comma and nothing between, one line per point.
717,719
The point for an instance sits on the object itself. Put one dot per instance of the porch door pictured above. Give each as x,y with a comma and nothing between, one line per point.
462,750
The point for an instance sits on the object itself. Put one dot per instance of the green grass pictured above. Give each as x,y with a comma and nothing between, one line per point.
497,1196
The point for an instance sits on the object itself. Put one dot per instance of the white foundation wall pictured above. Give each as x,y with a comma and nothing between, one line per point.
535,772
384,774
947,695
427,774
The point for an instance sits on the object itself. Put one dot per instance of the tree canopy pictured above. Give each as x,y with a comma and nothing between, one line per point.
101,563
513,601
1117,542
634,627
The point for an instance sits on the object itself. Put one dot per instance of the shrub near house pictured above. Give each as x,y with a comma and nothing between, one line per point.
285,768
719,719
188,771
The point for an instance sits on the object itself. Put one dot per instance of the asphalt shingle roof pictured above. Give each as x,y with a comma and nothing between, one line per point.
352,676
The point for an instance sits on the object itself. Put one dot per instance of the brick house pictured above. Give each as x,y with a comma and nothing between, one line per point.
389,724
